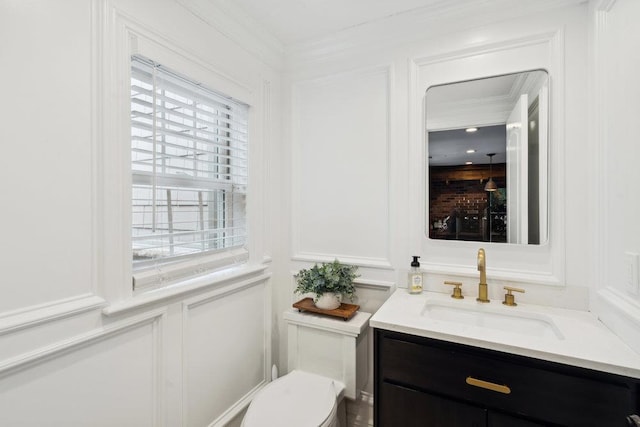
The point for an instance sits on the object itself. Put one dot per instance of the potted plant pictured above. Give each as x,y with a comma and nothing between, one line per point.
329,281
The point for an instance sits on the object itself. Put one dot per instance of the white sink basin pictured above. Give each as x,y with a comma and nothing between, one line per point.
506,319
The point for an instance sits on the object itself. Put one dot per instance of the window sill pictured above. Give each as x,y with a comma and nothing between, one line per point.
152,278
215,279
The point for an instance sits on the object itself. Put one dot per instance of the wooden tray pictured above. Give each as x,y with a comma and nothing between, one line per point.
345,311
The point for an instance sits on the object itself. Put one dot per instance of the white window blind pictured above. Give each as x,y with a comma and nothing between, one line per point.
189,169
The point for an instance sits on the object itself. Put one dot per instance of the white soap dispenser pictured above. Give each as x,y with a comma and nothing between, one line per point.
414,283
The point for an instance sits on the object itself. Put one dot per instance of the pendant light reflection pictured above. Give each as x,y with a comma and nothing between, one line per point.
491,185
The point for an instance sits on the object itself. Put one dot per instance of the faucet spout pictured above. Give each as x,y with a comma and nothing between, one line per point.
482,266
482,286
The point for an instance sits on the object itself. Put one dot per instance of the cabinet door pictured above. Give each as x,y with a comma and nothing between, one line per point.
400,406
496,419
558,394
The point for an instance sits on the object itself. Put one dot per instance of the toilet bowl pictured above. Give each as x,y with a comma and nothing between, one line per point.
299,399
327,361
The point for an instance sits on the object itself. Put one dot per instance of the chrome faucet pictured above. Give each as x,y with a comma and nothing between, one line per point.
482,286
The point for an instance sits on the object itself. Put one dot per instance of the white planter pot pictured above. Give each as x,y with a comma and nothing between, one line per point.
328,301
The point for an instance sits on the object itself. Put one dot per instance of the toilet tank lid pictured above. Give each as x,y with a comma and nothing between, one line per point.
297,399
352,327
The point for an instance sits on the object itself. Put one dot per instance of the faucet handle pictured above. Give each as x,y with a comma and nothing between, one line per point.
457,292
509,298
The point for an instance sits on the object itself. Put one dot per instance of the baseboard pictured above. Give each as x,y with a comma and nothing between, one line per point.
233,416
360,411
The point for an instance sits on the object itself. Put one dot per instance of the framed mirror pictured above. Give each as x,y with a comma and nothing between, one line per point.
488,145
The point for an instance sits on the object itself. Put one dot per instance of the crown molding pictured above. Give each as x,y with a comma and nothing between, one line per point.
231,21
604,5
435,20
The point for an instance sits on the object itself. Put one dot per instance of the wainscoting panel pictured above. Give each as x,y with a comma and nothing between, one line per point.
110,377
225,352
341,167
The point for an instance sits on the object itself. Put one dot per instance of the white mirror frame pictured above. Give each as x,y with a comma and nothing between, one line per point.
543,264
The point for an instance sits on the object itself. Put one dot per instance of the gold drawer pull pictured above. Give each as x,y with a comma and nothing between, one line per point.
489,386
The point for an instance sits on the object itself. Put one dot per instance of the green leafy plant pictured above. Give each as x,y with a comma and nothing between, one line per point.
327,277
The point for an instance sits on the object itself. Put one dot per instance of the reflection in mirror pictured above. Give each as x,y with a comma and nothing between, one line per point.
488,159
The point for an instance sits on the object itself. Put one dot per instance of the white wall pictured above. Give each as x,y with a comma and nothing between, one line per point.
614,140
77,346
348,182
355,102
47,194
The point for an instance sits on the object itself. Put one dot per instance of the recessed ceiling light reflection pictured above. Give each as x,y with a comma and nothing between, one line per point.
468,163
471,151
471,130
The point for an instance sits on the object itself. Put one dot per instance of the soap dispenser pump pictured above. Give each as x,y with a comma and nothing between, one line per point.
414,284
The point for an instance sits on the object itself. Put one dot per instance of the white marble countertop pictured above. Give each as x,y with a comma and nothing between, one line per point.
578,337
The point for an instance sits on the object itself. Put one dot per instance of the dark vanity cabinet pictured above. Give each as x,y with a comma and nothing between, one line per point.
431,383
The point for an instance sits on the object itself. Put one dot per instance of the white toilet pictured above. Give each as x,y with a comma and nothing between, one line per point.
327,362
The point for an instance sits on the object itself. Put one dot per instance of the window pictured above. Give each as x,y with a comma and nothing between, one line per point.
189,175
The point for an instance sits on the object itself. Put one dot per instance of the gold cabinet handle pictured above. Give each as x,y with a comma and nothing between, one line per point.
489,386
457,292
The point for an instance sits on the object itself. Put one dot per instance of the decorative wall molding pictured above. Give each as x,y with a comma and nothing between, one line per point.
361,283
605,5
597,139
223,292
49,312
71,333
535,38
299,253
145,39
231,21
189,304
155,319
545,263
98,17
377,263
266,147
110,56
41,355
374,284
530,275
415,26
616,308
216,279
